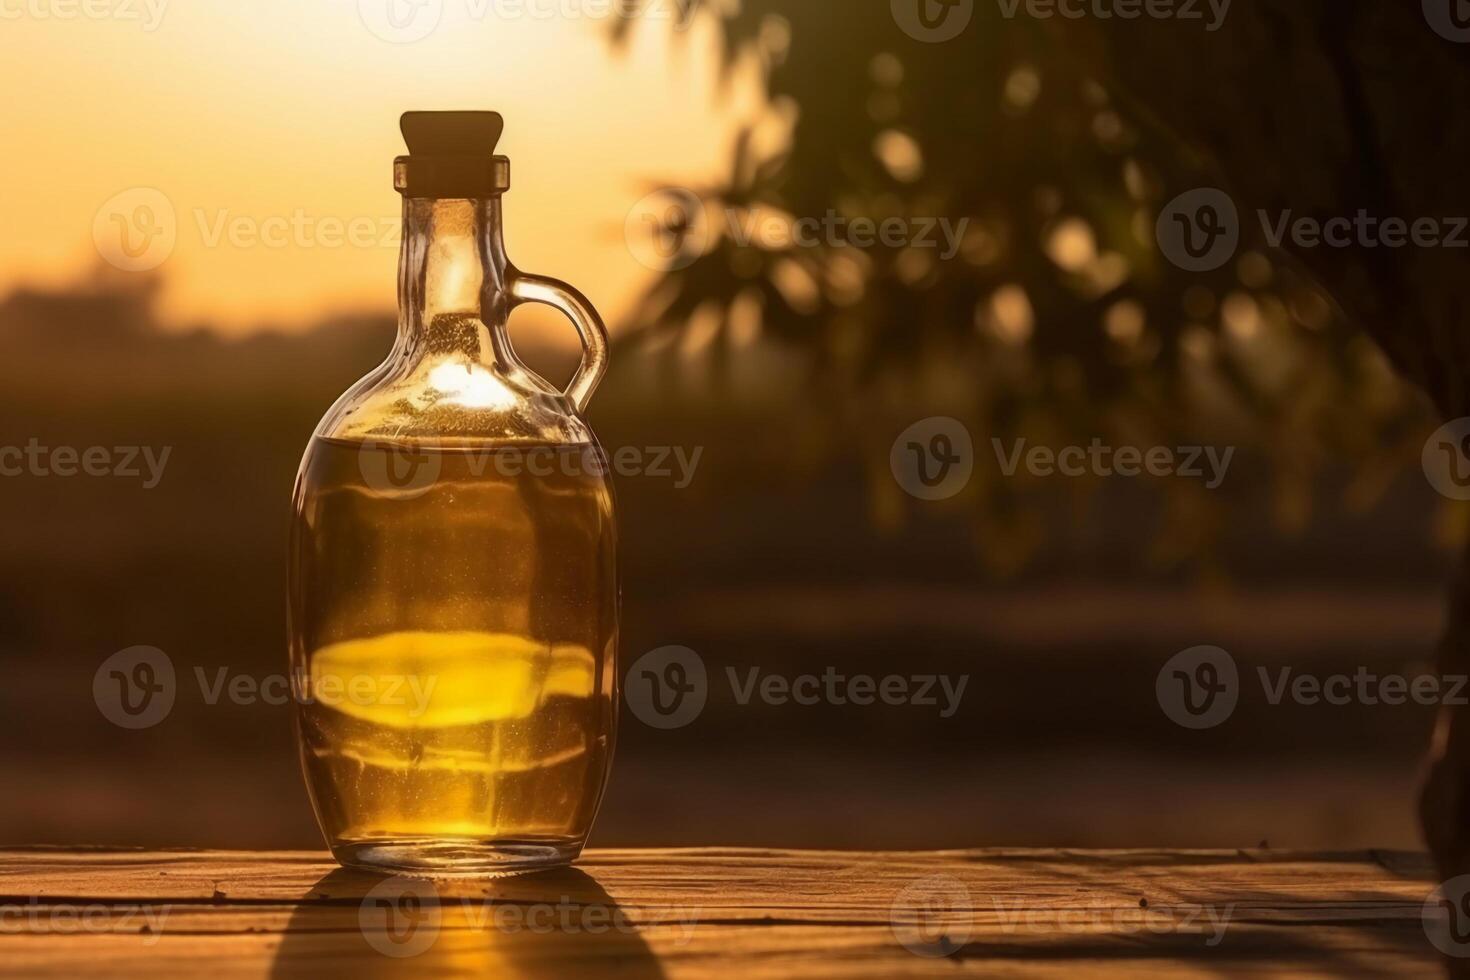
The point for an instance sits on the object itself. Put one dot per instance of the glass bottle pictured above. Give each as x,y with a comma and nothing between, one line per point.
453,584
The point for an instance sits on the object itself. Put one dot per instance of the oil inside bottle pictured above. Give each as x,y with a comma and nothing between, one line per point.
454,620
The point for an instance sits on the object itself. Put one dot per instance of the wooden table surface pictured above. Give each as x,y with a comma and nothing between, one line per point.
722,912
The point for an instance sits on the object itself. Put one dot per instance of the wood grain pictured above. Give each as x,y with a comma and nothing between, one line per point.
721,912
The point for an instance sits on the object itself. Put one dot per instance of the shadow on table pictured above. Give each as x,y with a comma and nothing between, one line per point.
551,924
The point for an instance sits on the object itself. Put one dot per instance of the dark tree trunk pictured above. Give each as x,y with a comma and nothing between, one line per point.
1326,107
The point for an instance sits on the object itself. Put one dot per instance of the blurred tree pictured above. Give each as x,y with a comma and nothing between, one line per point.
1331,108
1062,138
1057,319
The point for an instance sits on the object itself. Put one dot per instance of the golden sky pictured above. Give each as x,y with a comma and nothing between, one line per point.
268,128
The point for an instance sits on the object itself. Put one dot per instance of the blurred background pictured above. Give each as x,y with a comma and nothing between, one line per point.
174,275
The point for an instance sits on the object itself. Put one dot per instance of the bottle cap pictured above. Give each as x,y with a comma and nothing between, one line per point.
451,154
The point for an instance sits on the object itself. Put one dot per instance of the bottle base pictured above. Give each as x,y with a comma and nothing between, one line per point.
448,857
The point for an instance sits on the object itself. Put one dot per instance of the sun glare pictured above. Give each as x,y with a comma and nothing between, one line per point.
260,136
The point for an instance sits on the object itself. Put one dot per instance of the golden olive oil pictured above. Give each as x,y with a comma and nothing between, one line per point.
454,619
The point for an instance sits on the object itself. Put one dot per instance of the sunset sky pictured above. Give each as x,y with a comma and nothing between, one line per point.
281,116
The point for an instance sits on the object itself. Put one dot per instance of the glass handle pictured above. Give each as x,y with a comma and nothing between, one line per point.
526,288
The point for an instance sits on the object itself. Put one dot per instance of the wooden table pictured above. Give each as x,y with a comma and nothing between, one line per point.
721,912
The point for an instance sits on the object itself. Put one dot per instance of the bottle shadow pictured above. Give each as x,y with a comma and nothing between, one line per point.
550,924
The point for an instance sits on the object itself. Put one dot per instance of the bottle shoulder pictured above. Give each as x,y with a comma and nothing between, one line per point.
453,402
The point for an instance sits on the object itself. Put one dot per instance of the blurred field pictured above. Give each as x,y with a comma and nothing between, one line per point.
772,557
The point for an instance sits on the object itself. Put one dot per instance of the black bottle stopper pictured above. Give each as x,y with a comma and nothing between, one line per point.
451,154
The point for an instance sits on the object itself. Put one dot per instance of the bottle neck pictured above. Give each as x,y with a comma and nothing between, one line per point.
453,275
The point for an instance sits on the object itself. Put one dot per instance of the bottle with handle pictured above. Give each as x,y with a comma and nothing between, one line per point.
453,592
